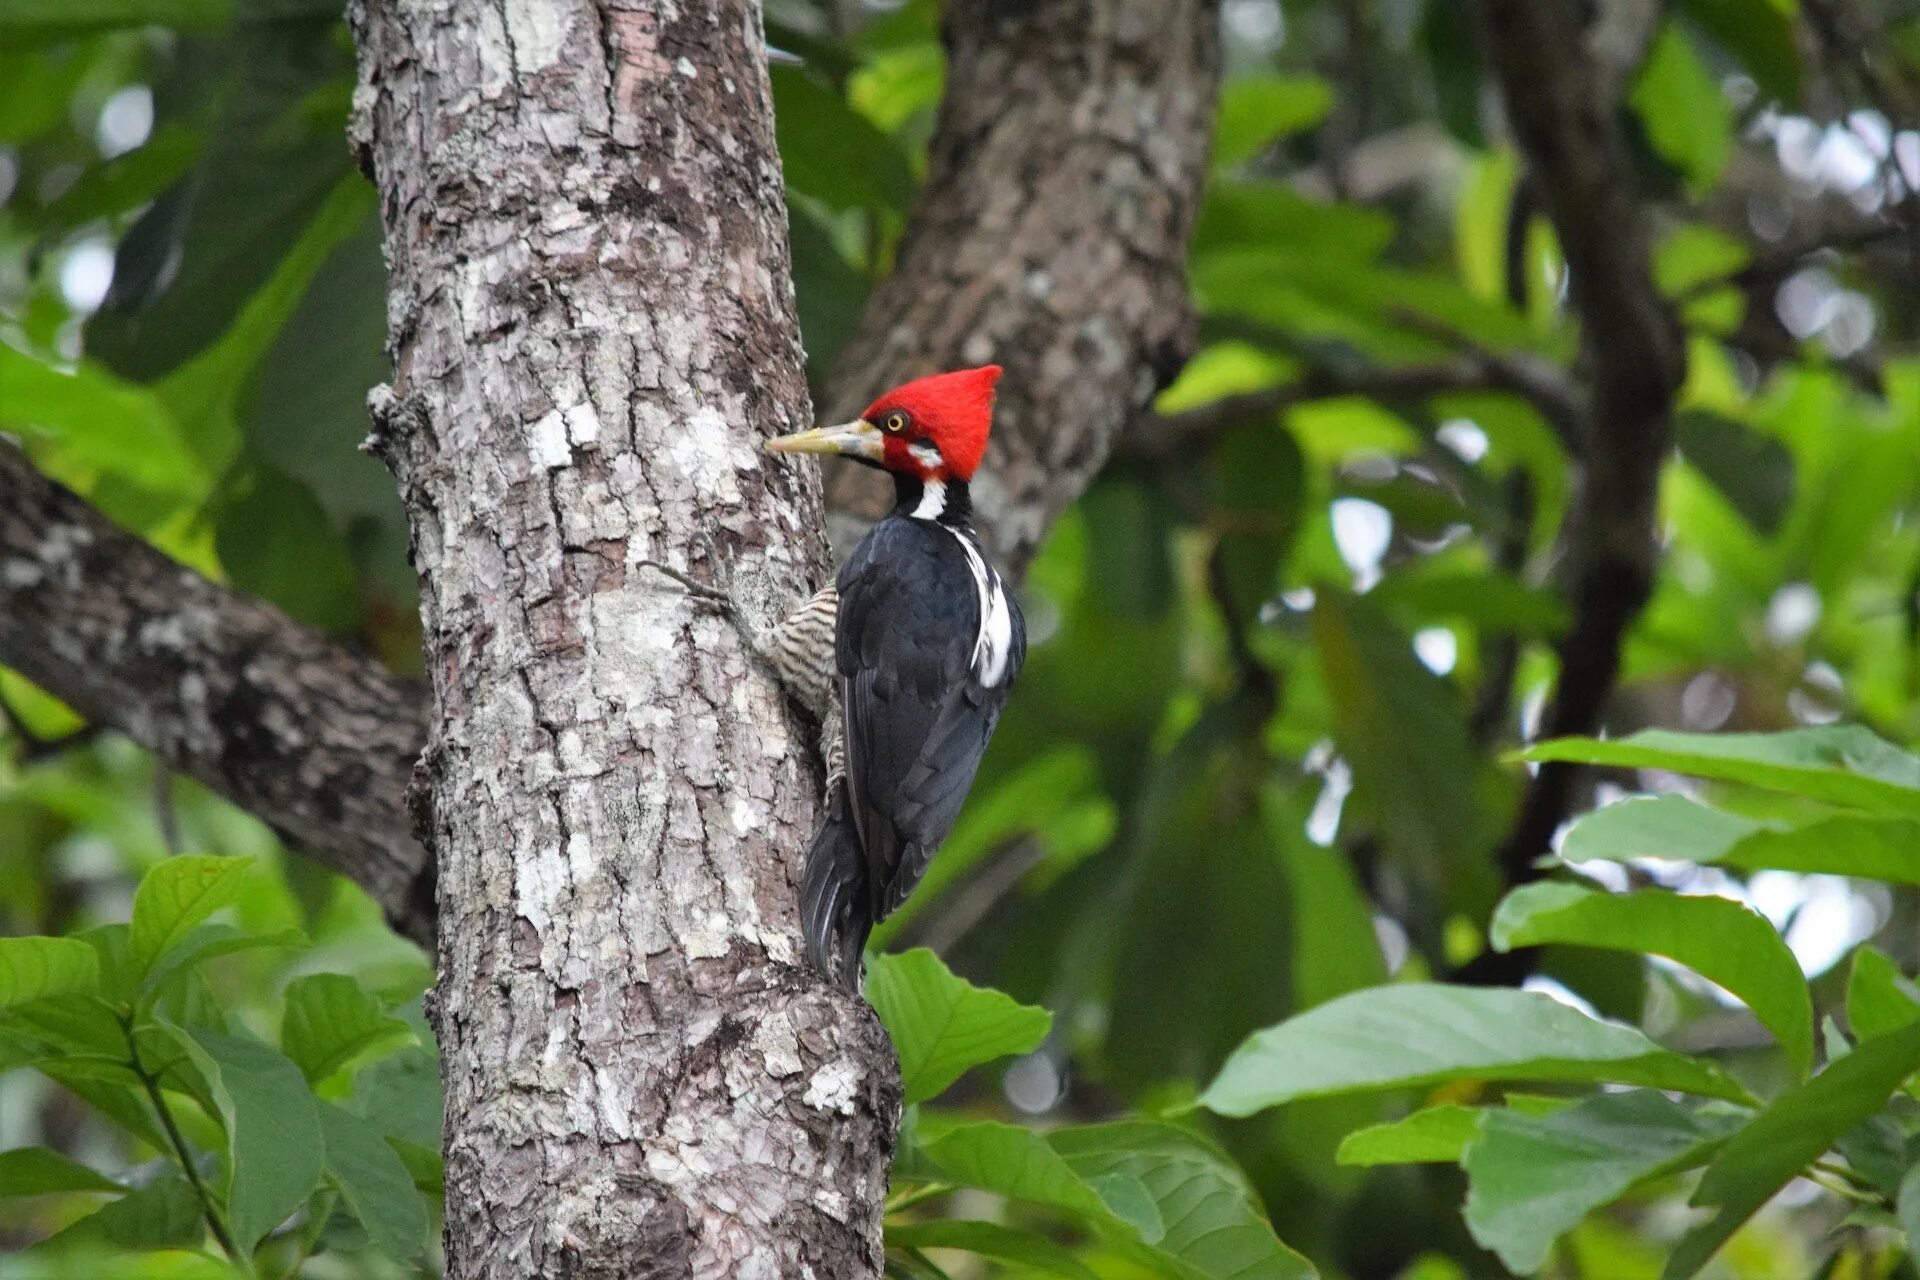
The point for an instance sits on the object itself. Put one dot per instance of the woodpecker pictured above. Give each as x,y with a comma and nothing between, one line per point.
927,641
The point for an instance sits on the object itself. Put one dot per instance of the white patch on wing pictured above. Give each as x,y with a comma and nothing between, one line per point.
994,643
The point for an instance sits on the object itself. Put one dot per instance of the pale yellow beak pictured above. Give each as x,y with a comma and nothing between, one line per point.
856,439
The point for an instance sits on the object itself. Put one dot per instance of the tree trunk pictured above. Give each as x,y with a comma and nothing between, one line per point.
593,331
1050,235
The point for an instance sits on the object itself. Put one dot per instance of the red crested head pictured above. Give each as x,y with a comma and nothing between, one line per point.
951,412
933,428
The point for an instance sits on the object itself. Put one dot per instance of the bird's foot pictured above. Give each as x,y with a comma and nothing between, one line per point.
718,593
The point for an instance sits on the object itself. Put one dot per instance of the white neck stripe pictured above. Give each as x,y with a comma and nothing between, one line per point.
933,501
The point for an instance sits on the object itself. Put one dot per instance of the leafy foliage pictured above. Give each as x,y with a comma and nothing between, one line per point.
1239,828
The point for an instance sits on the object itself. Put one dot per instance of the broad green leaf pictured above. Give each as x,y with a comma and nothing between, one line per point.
1687,118
1028,1250
206,391
213,940
1214,1227
833,153
1011,1160
96,422
374,1183
166,1213
1754,471
1255,110
1241,215
1725,941
1161,1192
1841,764
276,1152
34,968
33,1171
1422,1033
1404,732
942,1024
1693,254
1435,1135
275,541
1534,1177
1782,1140
330,1020
177,895
400,1096
1676,828
1879,997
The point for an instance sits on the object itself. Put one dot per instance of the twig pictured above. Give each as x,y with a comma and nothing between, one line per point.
183,1155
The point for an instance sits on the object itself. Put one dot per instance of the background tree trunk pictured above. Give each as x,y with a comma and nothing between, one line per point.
593,331
1050,235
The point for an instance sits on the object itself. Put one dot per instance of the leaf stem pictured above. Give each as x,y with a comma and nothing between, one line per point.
908,1199
183,1156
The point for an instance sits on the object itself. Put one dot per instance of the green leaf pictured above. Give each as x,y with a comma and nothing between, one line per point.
210,941
177,895
275,541
942,1024
33,968
1841,764
1680,829
1435,1135
1687,118
276,1151
1753,470
330,1020
400,1096
93,421
1534,1177
1776,1145
1028,1250
374,1183
1214,1226
1165,1194
33,1171
1404,732
1423,1033
833,153
1879,997
1011,1160
1255,110
1722,940
164,1214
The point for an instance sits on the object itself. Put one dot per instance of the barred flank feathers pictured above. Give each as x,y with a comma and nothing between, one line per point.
800,649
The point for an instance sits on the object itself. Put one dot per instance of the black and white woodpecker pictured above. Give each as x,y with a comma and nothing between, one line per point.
912,651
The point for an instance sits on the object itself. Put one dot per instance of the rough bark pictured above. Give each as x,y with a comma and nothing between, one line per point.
593,332
1050,236
316,739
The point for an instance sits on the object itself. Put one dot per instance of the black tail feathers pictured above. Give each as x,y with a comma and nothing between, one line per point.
836,906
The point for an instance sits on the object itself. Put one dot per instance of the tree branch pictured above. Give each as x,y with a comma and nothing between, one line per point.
315,740
1562,108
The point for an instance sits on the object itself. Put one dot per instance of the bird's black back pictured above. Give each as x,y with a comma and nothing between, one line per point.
918,709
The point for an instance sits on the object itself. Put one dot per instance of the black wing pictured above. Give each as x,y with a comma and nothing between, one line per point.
917,716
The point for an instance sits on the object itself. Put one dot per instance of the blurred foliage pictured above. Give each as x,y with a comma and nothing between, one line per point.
1236,829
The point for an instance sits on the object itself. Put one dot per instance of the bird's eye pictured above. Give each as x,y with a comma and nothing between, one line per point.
894,423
